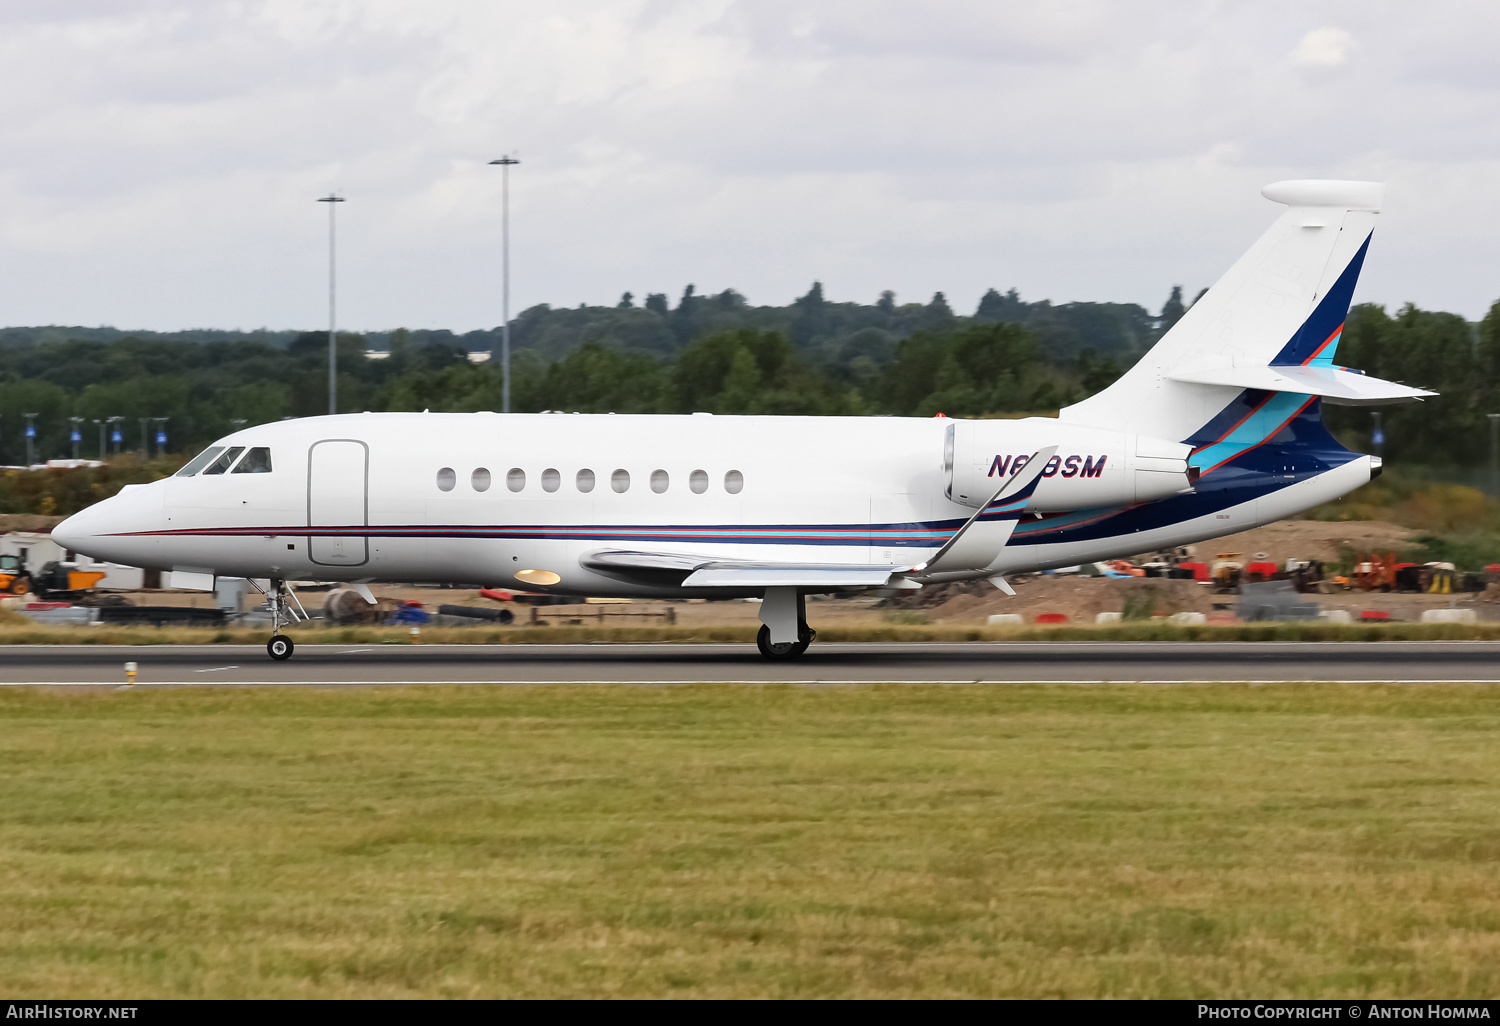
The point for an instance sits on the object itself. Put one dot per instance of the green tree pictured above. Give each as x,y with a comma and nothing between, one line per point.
1172,310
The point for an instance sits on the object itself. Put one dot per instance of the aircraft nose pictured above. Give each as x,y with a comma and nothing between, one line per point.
73,533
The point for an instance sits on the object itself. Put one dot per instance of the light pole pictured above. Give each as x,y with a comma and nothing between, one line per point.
505,163
115,434
76,436
1377,435
161,435
100,423
333,344
31,438
1494,419
145,452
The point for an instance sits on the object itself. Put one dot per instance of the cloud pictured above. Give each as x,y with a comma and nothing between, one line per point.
161,158
1326,47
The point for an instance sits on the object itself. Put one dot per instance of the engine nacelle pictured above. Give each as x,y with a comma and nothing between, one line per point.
1093,466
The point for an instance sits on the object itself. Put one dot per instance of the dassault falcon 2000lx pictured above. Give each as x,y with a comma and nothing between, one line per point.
1218,428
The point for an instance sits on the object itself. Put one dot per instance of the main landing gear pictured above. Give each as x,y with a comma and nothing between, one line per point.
785,633
786,650
282,602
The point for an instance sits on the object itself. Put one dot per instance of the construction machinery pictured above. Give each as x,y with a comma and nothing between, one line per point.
59,581
14,578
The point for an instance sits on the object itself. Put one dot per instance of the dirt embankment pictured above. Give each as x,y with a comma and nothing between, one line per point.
27,522
1310,539
1080,598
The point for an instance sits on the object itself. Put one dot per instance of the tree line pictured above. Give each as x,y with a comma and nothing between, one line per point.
714,353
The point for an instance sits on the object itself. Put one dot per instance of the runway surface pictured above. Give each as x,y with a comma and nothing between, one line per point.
961,663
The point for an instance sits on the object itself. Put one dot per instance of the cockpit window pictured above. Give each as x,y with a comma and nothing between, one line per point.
200,461
225,461
256,461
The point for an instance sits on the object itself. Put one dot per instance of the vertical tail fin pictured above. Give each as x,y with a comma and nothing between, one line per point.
1283,303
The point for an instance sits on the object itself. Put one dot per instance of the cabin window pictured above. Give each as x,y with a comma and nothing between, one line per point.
200,461
620,481
480,479
225,461
256,461
734,482
551,480
660,482
698,481
446,479
516,479
585,480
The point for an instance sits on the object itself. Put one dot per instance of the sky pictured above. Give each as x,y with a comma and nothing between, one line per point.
161,159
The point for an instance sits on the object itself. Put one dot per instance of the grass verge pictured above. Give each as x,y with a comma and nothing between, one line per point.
1192,841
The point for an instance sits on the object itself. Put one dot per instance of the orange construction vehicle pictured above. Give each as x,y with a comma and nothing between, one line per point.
14,579
56,581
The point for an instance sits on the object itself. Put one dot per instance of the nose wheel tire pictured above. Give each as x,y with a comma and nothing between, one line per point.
280,647
785,650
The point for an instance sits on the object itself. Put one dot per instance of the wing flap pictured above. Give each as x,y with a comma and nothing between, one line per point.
716,572
630,560
728,575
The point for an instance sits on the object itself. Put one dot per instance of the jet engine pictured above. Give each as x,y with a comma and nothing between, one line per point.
1093,466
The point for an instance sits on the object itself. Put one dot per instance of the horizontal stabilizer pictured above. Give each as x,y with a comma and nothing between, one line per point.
714,572
1337,385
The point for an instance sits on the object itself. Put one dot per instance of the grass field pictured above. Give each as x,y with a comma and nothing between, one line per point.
1186,841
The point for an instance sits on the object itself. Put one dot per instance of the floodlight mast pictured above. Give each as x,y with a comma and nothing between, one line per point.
333,345
31,438
505,163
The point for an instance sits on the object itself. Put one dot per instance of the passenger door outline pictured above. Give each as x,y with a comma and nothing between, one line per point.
338,550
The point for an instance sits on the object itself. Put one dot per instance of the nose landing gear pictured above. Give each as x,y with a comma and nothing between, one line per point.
280,647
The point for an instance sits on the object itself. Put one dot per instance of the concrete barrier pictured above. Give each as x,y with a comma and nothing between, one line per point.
72,616
1188,619
1005,619
1449,616
1335,616
1108,617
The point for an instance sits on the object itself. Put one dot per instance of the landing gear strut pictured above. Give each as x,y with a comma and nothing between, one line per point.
277,595
785,633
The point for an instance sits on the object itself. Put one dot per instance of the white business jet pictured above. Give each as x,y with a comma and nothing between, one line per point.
1218,428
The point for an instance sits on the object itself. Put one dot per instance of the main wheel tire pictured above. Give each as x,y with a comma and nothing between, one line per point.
20,586
785,650
280,647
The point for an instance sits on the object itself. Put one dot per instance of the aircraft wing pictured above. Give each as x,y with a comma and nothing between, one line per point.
715,572
972,547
